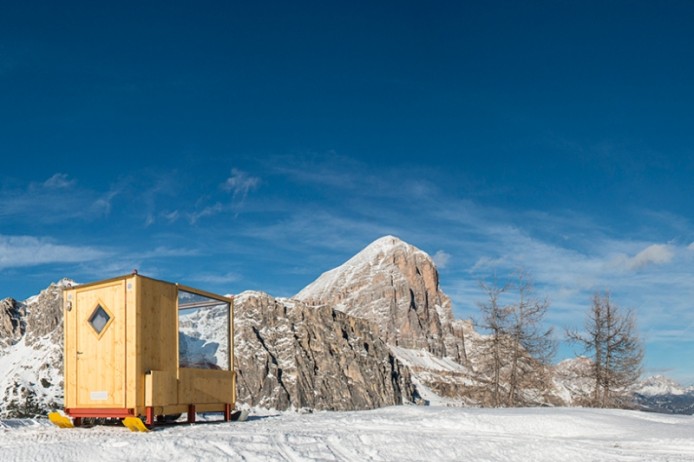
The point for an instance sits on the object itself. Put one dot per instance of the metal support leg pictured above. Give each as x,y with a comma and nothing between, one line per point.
227,412
149,416
191,413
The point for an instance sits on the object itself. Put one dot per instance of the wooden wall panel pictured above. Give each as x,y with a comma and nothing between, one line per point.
198,386
143,337
134,383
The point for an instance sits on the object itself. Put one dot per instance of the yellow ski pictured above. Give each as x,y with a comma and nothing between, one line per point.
134,424
60,420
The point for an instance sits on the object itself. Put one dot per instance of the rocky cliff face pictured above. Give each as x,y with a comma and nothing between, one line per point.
12,325
396,287
44,318
31,353
290,355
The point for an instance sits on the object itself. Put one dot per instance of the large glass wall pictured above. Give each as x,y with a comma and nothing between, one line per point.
203,332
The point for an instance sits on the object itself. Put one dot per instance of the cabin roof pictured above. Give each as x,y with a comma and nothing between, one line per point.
137,275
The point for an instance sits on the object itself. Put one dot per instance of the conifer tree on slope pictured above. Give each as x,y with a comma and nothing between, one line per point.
518,347
610,338
532,343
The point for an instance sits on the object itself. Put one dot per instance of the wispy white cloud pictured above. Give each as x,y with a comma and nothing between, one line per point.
240,183
321,228
56,199
660,291
328,169
23,251
218,279
441,259
59,181
171,216
123,187
156,188
207,211
342,176
166,252
654,254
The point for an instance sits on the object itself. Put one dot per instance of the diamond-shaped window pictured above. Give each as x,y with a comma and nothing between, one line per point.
99,319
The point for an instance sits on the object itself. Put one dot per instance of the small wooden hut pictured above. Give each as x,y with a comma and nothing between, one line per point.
141,347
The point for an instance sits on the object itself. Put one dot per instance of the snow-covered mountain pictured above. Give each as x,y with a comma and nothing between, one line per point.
373,332
662,394
655,394
660,385
395,286
31,353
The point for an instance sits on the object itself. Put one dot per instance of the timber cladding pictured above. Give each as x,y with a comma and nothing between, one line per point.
144,347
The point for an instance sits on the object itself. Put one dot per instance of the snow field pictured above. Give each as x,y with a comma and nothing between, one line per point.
400,433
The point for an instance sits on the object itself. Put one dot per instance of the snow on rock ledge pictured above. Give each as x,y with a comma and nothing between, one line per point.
396,286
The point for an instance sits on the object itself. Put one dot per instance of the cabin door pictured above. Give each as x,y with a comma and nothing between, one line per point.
100,342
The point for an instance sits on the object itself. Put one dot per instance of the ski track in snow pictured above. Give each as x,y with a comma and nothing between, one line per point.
401,433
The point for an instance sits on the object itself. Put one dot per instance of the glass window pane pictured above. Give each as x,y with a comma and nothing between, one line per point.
99,319
203,332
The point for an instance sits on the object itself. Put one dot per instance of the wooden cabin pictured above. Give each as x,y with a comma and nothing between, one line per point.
137,346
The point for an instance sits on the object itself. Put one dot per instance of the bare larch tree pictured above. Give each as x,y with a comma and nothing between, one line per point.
494,320
518,346
532,343
610,337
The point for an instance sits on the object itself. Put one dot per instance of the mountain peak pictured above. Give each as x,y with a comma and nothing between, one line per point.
386,242
659,385
393,284
376,259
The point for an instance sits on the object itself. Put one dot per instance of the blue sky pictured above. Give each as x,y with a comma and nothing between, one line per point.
254,145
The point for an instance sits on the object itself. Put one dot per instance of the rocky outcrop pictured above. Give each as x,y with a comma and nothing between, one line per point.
45,315
396,287
12,323
290,355
31,354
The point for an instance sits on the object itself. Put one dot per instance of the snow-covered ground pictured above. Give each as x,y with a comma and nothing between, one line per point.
402,433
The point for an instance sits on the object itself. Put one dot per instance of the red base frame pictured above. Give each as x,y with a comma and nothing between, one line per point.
78,413
105,412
